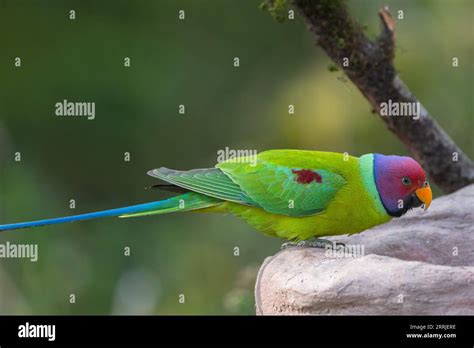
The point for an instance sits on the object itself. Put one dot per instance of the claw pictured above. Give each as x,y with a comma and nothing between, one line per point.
312,243
287,245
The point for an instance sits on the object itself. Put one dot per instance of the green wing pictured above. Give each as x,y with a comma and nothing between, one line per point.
286,190
210,182
287,182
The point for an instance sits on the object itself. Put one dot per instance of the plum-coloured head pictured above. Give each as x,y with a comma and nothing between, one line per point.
401,184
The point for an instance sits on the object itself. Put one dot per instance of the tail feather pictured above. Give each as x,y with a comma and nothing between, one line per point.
188,201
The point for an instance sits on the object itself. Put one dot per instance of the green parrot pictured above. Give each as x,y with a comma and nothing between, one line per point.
291,194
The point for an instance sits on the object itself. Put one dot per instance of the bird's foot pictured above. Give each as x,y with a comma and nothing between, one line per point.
288,245
320,243
313,243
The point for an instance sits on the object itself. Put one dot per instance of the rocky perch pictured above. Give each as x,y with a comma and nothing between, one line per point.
422,263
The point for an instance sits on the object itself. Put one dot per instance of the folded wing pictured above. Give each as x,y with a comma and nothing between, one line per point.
274,187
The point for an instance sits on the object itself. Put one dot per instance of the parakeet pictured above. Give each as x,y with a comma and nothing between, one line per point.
291,194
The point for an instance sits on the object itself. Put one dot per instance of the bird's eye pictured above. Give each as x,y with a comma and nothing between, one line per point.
426,184
406,181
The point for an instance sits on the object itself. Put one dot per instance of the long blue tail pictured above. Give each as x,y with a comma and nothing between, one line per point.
99,214
184,202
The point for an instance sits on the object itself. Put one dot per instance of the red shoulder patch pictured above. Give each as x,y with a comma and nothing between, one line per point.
306,176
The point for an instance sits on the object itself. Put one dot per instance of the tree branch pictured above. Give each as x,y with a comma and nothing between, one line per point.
371,69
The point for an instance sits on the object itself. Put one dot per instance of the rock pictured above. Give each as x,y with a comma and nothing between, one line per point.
422,263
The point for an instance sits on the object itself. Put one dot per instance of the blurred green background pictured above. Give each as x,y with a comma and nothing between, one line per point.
177,62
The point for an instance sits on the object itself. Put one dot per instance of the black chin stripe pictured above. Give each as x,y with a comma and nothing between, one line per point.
411,202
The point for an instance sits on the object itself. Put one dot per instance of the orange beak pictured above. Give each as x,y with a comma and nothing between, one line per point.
425,195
